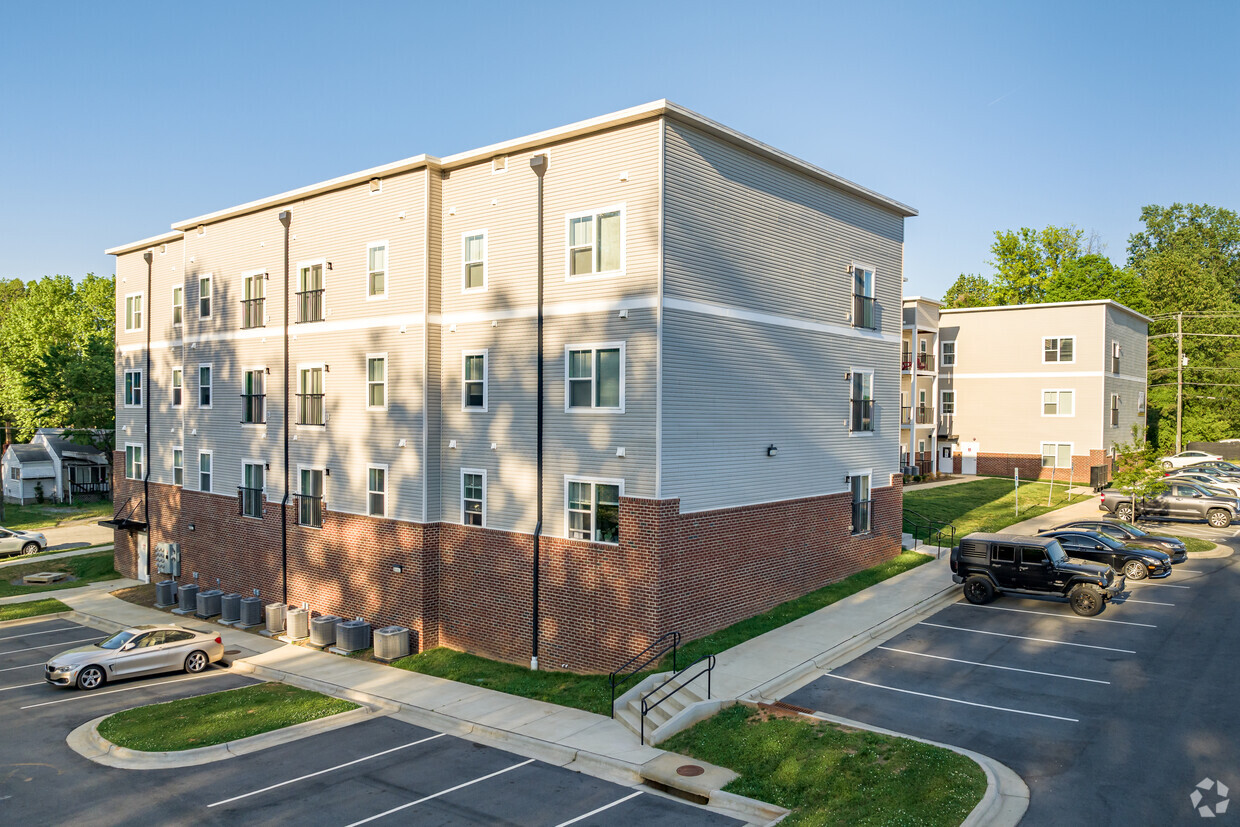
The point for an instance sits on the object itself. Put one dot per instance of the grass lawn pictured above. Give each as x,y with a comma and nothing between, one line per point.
217,718
828,774
48,515
16,611
592,692
1193,543
985,504
87,568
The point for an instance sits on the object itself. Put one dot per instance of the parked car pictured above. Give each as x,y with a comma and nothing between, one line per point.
1216,466
14,542
1095,547
1180,501
992,564
1206,479
1187,458
131,653
1130,535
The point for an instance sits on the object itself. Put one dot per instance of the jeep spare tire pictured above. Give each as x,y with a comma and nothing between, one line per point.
1086,600
979,590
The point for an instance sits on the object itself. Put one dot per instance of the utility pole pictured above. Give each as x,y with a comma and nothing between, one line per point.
1179,379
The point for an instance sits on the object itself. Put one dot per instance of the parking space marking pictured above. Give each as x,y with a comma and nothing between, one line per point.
441,792
1163,585
1188,571
1147,602
44,632
25,666
329,769
991,665
1058,617
87,696
1022,637
21,686
598,810
949,700
50,645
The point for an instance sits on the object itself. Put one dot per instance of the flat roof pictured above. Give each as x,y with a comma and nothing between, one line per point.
923,299
146,242
1111,302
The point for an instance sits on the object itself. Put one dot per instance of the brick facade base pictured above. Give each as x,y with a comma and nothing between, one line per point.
1030,466
470,588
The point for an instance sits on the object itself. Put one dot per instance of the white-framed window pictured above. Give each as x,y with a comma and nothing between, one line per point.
862,503
254,299
949,354
592,509
15,472
204,296
947,402
311,398
474,381
474,496
254,397
1115,353
376,381
178,386
474,261
1141,403
133,312
1056,454
252,484
1115,410
310,497
205,460
1058,402
310,291
133,389
1059,349
861,393
204,386
133,461
178,466
863,296
376,490
595,244
376,269
594,377
178,304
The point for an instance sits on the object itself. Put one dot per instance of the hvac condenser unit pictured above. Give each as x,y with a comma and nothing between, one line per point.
208,603
391,643
230,608
352,635
187,594
323,630
275,617
165,593
251,611
298,624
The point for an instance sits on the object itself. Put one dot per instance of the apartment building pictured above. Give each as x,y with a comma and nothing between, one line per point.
344,395
922,420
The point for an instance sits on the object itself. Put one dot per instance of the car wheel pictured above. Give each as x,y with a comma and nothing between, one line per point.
1218,518
1124,512
196,662
1135,570
1166,466
30,548
90,678
978,590
1085,600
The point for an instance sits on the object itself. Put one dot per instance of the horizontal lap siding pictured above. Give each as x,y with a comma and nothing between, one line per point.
1131,334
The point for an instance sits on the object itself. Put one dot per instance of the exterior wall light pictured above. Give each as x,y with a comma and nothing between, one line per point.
772,451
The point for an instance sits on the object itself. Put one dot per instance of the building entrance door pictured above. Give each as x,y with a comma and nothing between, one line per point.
144,559
968,457
945,460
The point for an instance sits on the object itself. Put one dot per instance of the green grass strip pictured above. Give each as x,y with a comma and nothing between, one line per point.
87,568
17,611
983,505
828,774
218,718
1191,543
34,517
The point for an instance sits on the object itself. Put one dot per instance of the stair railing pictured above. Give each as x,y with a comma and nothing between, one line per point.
667,642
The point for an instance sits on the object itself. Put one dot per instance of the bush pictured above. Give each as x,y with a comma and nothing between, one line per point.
38,492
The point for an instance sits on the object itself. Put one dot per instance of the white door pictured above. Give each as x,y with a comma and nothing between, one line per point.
945,459
144,571
968,457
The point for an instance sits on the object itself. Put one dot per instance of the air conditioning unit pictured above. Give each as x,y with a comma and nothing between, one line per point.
275,618
298,624
392,642
230,608
323,630
208,603
251,611
352,635
187,596
165,594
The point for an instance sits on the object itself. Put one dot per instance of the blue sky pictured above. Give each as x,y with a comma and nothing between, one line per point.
983,116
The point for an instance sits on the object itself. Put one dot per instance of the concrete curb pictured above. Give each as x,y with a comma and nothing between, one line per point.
1215,553
23,621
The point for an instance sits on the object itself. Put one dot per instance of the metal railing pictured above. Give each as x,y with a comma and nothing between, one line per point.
310,306
929,531
310,510
250,501
861,514
925,361
924,414
85,488
906,415
665,643
863,311
648,707
310,409
862,415
252,314
253,408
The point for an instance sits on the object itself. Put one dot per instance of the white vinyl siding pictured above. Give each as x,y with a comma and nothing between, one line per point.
595,242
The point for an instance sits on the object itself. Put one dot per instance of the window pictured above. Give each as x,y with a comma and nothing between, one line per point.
376,381
376,270
253,313
949,354
473,497
133,312
1032,556
596,242
1058,349
474,261
204,471
947,402
594,510
1114,357
1141,403
253,397
1056,455
204,297
178,304
310,498
310,292
1114,410
861,503
133,389
251,493
15,472
863,296
204,386
178,382
376,491
1057,403
1004,554
862,401
178,466
310,396
594,377
474,384
133,462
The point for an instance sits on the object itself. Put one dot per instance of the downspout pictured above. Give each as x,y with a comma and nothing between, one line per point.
538,163
146,450
285,219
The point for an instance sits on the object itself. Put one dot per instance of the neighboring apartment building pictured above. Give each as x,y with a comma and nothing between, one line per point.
719,431
922,421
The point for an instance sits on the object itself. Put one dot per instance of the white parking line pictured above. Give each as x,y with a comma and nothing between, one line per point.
329,769
441,792
1188,571
44,632
992,665
584,816
1143,584
88,695
1057,616
26,666
50,645
1022,637
953,700
21,686
1147,602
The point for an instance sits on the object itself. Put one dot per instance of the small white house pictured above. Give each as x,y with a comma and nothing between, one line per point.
62,470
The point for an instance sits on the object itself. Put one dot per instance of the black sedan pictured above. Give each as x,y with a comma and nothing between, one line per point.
1130,535
1134,563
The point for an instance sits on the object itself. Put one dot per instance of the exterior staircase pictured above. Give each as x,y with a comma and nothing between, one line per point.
678,712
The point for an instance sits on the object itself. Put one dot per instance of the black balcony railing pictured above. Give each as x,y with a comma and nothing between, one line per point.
925,415
310,306
253,408
861,516
250,501
310,510
863,311
906,416
925,362
862,415
252,313
310,409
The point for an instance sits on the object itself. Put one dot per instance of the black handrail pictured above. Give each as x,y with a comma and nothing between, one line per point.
310,510
309,306
863,311
252,313
862,415
936,531
253,408
310,409
648,707
250,501
619,677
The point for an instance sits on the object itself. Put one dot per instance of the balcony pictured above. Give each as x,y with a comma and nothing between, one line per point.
924,415
310,409
253,313
310,306
925,362
863,312
906,416
310,510
253,408
861,516
862,415
945,425
250,501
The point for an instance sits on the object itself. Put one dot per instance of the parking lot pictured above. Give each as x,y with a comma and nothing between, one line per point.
380,770
1112,719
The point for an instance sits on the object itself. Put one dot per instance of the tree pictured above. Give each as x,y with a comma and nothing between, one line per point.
1026,260
1092,277
969,291
1137,470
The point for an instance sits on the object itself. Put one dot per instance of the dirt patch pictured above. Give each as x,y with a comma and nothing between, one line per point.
143,595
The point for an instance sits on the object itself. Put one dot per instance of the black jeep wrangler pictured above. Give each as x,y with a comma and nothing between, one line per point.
992,564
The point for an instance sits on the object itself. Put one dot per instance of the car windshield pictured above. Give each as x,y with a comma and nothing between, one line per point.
117,640
1056,552
1133,531
1109,542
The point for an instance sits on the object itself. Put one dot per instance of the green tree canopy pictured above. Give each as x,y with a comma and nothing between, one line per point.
1092,277
969,291
1026,260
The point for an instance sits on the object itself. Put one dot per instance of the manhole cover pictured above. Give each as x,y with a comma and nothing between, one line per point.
232,651
689,770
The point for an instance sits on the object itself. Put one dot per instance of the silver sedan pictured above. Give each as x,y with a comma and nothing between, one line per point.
13,541
141,650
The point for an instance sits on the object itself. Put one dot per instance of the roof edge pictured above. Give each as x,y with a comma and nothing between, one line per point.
163,238
1111,302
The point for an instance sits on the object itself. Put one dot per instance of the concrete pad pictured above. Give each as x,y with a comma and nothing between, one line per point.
558,725
42,577
663,770
483,708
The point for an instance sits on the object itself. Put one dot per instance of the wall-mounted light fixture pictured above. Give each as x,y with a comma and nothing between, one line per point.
848,376
327,472
266,466
772,451
398,568
191,526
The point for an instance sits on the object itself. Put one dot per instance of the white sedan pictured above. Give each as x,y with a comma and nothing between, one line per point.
13,541
140,650
1187,458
